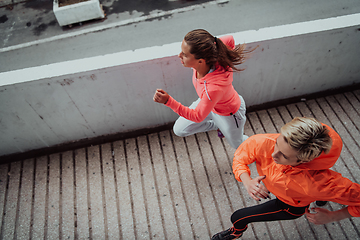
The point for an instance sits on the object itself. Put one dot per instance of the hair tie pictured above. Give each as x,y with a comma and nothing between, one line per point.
215,39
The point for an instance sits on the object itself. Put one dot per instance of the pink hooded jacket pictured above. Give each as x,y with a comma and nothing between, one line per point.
303,184
215,90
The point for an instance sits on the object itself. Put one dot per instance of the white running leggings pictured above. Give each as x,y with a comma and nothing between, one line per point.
232,126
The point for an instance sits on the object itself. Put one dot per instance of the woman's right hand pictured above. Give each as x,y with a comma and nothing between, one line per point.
255,189
161,96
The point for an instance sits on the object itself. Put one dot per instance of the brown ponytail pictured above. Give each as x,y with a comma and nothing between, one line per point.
205,46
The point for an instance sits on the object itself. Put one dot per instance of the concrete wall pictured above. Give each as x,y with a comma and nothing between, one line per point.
69,101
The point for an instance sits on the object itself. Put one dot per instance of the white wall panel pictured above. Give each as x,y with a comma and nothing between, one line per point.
69,101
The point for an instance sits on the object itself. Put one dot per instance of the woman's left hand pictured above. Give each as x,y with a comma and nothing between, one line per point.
161,96
321,216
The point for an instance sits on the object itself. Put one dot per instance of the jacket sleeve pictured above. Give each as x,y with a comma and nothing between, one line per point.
201,111
350,195
244,156
354,211
198,114
336,188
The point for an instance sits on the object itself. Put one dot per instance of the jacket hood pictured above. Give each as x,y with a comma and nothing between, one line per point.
325,161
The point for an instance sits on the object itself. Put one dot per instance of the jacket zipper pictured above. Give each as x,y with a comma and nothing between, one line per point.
206,91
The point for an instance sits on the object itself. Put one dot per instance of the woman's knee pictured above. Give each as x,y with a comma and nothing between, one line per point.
238,214
179,133
178,130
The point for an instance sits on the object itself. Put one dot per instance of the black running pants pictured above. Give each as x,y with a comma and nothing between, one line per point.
272,210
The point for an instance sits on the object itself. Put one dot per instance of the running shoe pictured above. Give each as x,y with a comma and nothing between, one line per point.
320,203
226,235
220,135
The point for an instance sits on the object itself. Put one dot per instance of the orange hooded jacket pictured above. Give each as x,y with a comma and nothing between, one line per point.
303,184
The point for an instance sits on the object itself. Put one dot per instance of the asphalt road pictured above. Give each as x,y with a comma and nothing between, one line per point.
30,35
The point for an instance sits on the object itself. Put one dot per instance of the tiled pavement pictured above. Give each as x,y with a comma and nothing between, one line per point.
160,186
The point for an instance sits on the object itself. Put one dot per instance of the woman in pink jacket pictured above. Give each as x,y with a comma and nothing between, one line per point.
219,106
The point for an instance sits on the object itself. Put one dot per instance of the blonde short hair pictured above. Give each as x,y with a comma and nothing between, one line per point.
308,137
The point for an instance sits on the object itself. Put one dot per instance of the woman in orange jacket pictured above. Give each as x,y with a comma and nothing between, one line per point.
294,166
219,106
